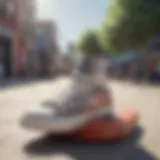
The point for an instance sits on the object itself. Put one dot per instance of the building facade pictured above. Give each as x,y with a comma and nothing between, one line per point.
47,46
8,33
26,21
16,19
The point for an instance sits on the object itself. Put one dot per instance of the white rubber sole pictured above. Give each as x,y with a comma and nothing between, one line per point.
43,119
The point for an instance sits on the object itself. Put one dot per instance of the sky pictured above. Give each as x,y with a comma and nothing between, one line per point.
72,16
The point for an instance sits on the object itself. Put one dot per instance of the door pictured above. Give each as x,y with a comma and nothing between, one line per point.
5,52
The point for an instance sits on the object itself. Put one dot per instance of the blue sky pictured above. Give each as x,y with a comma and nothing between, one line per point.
72,16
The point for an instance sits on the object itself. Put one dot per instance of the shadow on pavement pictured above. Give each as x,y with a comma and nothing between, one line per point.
21,82
128,149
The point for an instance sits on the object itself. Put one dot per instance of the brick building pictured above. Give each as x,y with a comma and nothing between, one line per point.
8,41
16,18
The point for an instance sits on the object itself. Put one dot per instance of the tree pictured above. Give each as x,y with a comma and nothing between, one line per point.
89,43
130,24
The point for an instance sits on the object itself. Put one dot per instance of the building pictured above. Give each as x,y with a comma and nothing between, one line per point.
26,21
47,46
16,19
8,33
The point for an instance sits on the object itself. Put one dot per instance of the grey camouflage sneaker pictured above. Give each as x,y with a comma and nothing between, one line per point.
88,78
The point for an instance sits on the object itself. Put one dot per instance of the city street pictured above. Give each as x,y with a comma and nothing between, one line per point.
19,144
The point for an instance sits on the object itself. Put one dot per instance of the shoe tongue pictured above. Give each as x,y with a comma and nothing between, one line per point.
91,72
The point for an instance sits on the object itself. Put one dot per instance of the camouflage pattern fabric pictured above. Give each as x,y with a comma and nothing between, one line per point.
85,83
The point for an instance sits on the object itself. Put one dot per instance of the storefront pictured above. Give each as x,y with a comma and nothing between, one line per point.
6,49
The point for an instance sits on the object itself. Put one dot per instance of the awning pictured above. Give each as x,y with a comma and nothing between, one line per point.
126,58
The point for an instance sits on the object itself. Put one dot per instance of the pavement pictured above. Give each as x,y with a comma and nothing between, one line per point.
17,143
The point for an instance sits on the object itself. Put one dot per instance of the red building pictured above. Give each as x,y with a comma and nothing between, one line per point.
8,41
13,14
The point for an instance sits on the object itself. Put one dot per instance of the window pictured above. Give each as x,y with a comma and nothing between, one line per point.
1,2
7,8
2,7
29,4
10,7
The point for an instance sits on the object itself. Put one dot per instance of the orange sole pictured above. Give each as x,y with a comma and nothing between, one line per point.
104,130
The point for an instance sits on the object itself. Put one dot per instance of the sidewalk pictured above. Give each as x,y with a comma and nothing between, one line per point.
5,83
15,82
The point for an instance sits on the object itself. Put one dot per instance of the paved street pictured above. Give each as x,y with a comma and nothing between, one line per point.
19,144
